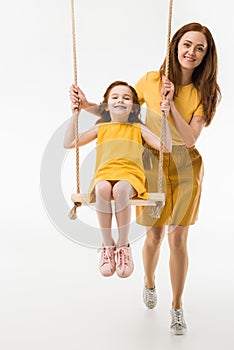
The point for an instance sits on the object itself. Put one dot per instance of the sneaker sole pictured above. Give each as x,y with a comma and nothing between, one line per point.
178,332
151,307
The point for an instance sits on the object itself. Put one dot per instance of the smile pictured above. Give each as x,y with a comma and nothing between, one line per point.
120,107
189,59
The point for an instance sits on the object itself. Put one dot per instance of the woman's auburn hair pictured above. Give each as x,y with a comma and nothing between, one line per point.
204,77
134,116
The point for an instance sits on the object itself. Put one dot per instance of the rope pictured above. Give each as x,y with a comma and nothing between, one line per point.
76,110
74,42
168,39
164,116
72,214
156,211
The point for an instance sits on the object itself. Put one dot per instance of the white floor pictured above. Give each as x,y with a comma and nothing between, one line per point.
52,296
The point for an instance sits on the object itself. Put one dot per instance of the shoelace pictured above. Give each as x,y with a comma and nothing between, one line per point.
150,294
107,255
177,318
122,256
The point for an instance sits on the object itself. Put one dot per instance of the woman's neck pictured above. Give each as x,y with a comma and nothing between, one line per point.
186,77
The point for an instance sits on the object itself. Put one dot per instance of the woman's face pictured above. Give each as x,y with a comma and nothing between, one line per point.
192,48
120,103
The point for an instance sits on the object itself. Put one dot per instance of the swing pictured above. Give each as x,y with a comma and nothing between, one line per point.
155,200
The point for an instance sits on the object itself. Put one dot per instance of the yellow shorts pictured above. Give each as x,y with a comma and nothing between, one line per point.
182,179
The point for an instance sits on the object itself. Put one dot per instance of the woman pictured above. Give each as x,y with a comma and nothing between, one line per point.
193,94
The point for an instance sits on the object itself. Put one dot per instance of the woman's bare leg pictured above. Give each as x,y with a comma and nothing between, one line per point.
150,253
177,239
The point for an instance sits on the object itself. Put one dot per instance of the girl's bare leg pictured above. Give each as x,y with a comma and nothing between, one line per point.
122,192
103,191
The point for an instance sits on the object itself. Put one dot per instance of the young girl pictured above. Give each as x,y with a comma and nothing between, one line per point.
119,173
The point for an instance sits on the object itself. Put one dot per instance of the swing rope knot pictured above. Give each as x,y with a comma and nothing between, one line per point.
72,215
155,211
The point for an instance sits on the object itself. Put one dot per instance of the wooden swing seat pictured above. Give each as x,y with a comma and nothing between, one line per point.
153,199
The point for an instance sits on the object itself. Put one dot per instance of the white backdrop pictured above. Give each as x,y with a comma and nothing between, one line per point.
51,294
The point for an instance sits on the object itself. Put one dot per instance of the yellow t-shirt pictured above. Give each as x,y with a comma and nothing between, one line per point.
119,156
187,102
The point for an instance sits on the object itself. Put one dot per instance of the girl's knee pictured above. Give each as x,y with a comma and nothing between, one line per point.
123,190
103,189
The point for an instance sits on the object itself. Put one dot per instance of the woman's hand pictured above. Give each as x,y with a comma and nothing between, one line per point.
168,89
165,106
77,98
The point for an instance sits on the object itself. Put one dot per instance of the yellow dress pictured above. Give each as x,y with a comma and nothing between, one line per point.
187,102
119,156
183,167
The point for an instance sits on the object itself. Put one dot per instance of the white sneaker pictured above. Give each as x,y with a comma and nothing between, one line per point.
178,325
150,297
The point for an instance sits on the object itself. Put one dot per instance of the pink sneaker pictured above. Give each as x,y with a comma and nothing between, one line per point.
107,261
125,266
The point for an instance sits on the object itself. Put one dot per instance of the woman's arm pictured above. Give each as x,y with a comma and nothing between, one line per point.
188,132
83,138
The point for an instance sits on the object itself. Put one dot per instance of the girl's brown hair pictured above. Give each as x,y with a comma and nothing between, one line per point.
134,116
204,76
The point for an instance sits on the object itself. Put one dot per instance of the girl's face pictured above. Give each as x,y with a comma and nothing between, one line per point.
192,48
120,103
